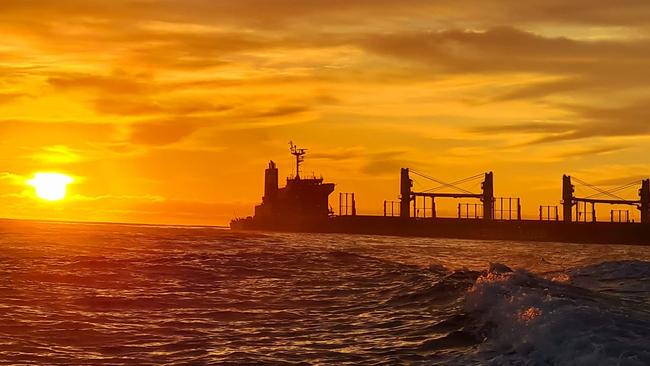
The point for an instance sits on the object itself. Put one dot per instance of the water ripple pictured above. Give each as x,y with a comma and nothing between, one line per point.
127,294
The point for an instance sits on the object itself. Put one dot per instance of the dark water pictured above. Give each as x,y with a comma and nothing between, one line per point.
109,294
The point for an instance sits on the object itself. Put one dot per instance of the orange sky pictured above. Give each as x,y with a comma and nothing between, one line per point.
167,111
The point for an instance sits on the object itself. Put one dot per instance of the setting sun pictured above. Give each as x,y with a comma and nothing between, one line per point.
50,186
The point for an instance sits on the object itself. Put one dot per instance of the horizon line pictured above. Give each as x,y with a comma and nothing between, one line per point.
90,222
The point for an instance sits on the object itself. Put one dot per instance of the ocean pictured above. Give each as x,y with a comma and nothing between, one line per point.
107,294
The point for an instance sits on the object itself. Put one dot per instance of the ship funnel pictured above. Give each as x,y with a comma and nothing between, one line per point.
270,182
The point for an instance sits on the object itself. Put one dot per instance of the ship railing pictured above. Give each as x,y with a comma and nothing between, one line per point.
619,216
507,208
391,208
470,210
421,209
549,213
306,177
585,213
347,204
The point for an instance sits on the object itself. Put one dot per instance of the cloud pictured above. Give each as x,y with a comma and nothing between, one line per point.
507,49
543,89
58,154
177,128
12,178
114,84
162,132
589,12
339,154
144,198
38,133
384,163
619,181
10,97
265,14
629,120
155,104
526,128
280,111
591,151
626,121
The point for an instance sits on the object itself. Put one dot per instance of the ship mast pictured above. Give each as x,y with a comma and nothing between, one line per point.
299,154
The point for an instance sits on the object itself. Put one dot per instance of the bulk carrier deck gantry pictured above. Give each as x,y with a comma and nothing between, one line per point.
303,206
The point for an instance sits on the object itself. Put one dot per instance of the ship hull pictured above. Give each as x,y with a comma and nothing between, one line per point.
476,229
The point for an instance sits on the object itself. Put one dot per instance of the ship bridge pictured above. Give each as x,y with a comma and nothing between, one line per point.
301,198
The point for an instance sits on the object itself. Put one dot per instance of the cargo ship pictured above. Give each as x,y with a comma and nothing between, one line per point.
302,205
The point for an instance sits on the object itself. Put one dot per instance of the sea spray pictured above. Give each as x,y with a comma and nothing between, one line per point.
526,319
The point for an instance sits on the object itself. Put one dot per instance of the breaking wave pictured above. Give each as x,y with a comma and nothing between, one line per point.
522,318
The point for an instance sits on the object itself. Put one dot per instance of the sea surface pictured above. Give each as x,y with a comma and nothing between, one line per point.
95,294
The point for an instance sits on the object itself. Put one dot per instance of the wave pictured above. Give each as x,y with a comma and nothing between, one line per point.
516,317
171,296
523,318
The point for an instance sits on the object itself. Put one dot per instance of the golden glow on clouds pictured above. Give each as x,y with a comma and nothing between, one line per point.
186,101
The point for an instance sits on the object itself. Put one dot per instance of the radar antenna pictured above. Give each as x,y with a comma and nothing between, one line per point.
299,154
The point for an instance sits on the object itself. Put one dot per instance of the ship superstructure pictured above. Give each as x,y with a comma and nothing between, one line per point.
302,199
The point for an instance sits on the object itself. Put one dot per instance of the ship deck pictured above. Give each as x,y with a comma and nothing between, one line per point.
478,229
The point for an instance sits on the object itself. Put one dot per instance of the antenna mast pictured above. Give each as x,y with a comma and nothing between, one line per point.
299,154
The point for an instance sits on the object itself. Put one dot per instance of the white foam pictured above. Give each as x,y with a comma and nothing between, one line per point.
526,319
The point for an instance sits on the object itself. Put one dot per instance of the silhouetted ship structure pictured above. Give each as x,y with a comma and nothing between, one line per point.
303,206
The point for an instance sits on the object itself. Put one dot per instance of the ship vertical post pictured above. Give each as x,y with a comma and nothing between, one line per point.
488,196
644,195
405,193
434,214
424,207
415,207
567,198
593,212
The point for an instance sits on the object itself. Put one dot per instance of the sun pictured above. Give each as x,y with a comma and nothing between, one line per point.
50,186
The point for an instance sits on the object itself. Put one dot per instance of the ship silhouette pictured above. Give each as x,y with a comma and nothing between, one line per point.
303,206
